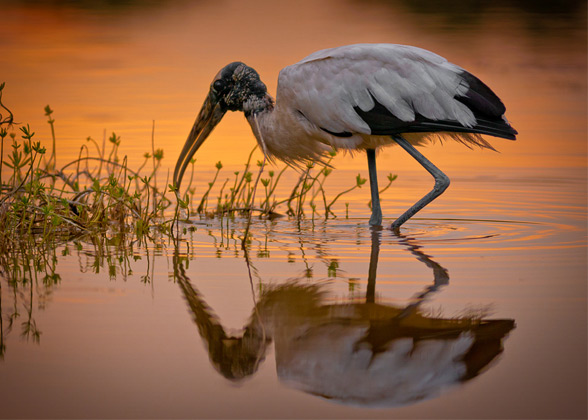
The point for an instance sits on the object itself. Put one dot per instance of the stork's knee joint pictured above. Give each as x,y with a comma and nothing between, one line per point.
442,181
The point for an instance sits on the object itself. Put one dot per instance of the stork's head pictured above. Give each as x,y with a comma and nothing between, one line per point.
236,87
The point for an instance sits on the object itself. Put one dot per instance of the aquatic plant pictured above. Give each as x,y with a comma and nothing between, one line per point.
98,193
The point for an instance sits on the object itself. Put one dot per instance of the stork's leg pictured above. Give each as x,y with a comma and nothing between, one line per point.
376,218
441,182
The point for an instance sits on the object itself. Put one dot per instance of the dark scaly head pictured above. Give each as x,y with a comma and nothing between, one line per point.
236,87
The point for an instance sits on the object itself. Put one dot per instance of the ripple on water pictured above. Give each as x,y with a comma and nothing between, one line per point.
459,233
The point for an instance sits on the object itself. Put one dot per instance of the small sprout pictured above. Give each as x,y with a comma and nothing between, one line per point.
271,174
265,182
48,110
27,134
158,154
333,153
46,210
392,178
56,220
360,181
219,165
37,148
114,139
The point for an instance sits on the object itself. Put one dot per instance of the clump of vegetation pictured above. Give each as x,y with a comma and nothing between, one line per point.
98,193
89,194
307,196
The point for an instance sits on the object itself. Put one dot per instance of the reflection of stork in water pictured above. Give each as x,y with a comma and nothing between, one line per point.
359,353
357,97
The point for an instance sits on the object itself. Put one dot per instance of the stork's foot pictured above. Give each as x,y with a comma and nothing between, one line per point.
395,227
376,218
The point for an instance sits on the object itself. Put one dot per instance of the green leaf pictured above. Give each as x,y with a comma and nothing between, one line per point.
360,180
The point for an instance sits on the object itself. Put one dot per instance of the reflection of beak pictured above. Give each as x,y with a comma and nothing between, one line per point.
210,115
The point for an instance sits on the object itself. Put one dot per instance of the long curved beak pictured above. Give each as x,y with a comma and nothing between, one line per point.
209,116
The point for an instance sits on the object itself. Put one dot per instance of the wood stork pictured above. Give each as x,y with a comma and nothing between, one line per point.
356,97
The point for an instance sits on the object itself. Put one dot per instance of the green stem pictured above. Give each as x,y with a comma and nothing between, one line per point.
204,199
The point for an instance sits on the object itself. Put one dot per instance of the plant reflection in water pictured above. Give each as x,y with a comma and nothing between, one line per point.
361,352
367,353
30,271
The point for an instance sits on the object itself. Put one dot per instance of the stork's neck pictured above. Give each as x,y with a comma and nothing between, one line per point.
281,133
258,104
260,113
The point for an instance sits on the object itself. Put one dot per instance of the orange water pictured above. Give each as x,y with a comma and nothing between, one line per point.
118,338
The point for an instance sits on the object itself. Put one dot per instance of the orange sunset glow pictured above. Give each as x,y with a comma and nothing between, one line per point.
124,78
244,296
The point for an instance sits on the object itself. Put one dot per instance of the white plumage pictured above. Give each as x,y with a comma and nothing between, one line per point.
406,80
324,88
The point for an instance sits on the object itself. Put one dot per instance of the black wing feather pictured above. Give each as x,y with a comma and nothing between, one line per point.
480,98
485,105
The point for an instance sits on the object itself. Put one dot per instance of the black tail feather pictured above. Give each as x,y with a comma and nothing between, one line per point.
491,128
480,99
484,104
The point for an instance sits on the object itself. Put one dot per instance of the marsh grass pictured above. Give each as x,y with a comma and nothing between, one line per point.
305,198
99,194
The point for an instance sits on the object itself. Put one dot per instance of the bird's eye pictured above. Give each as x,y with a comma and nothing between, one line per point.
218,85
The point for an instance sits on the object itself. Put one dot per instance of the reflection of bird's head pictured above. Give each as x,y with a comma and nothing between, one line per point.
239,357
236,358
233,357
